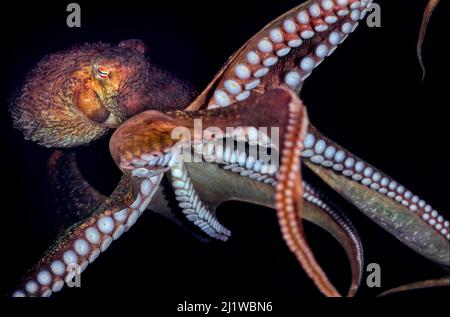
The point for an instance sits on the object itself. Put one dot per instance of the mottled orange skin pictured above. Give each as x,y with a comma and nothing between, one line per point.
75,96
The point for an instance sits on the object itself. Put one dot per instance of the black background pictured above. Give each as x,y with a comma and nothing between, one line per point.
367,96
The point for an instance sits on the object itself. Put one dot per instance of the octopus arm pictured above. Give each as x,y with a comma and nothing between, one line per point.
384,200
83,242
441,282
208,179
75,199
431,6
317,210
284,52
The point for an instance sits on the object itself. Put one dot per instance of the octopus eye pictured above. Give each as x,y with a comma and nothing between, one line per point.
103,72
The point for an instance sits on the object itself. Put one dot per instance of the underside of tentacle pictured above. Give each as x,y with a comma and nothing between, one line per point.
82,243
285,52
192,206
384,200
288,199
209,179
247,176
336,223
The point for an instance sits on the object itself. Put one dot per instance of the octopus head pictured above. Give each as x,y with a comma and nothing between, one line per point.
75,96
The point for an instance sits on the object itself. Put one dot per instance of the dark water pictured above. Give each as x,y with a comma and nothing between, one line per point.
367,97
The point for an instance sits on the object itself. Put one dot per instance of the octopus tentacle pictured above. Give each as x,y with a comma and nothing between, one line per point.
245,161
317,210
288,196
388,203
323,152
81,244
192,206
75,198
209,179
431,6
441,282
285,52
345,234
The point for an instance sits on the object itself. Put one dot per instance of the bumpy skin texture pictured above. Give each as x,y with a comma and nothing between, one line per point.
75,96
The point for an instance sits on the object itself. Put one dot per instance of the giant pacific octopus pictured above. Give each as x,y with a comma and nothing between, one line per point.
76,96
